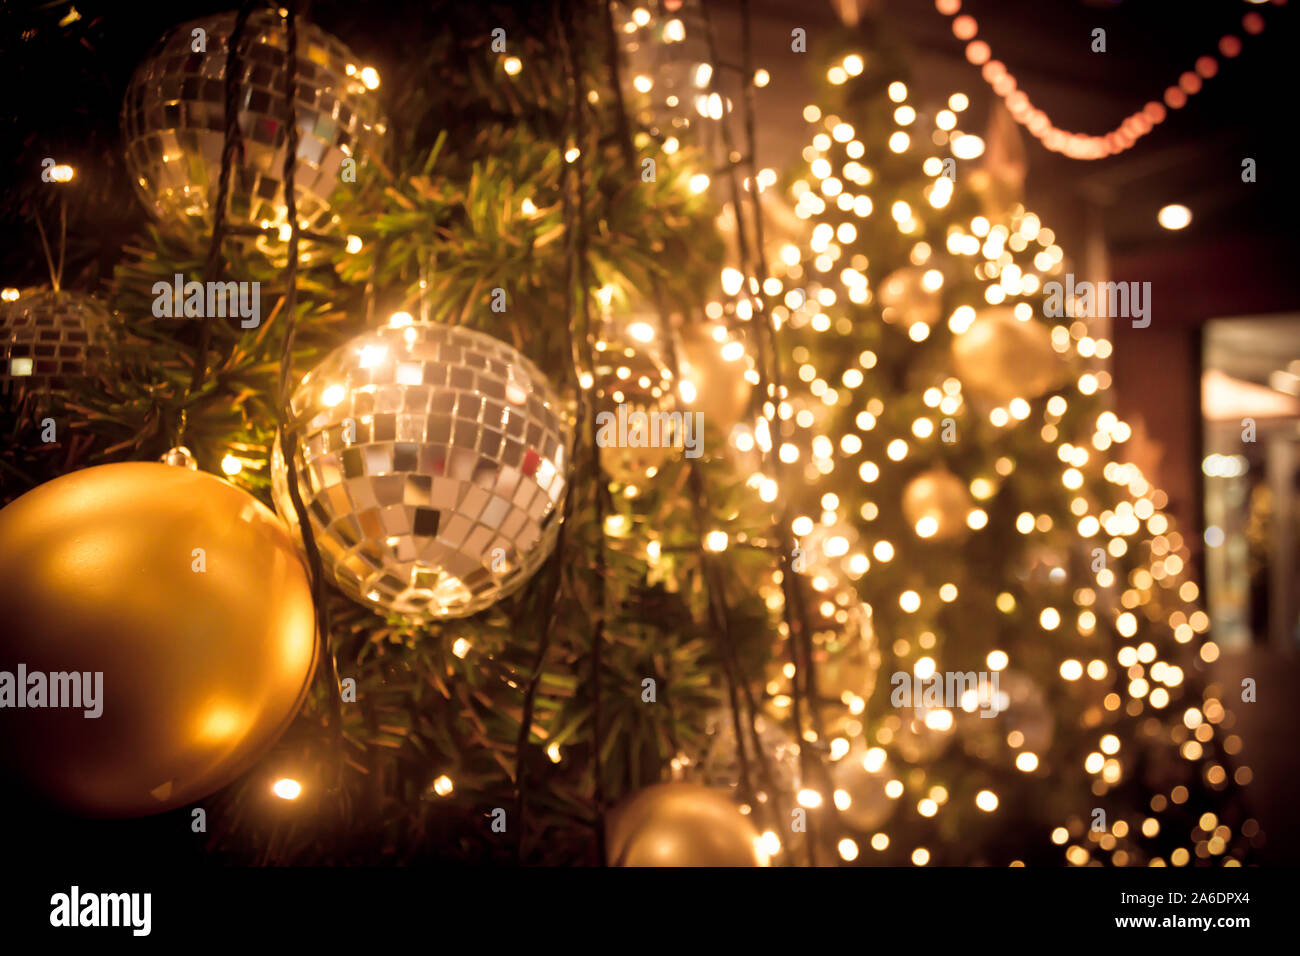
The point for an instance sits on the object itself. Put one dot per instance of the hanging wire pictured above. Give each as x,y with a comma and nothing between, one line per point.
232,145
63,238
576,276
286,430
754,265
578,125
55,273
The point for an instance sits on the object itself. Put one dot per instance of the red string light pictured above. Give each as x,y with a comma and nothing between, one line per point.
1083,145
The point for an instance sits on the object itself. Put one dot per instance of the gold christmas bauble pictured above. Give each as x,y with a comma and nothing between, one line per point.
847,653
1008,716
859,779
713,378
640,428
936,504
906,297
681,824
168,615
999,358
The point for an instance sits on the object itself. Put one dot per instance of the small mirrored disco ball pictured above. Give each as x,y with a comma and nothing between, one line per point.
47,338
432,461
174,121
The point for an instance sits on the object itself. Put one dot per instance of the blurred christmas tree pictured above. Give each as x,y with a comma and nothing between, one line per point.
905,469
1047,698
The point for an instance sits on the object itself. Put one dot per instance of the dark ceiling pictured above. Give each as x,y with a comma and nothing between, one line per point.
1194,157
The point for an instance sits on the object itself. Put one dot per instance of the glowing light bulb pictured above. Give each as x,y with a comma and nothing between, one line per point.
967,146
1174,216
286,788
641,331
809,798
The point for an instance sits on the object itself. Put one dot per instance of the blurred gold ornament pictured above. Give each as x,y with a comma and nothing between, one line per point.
847,653
631,382
1000,357
188,596
922,734
859,780
666,74
714,377
905,298
681,824
936,503
1007,717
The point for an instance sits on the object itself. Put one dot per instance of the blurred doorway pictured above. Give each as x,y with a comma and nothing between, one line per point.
1250,400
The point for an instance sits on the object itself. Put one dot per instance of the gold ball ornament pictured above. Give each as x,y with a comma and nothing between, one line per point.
907,298
999,357
920,733
637,430
713,377
847,653
859,780
936,503
187,595
681,824
1008,717
174,121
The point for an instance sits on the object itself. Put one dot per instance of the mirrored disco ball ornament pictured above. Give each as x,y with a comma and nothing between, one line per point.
174,121
47,338
432,461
